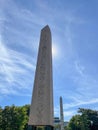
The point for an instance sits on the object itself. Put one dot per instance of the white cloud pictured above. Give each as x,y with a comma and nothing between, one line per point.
85,82
69,113
14,69
78,103
16,66
79,68
5,55
56,111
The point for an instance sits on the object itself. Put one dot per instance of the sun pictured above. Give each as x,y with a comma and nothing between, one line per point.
54,51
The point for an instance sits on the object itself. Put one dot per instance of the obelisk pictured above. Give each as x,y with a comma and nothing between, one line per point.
61,114
41,110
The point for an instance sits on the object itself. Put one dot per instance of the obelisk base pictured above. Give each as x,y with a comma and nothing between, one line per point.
31,127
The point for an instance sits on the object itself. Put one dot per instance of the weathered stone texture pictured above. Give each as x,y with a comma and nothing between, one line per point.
41,111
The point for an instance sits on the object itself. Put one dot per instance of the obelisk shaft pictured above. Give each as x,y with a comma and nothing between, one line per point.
61,114
41,110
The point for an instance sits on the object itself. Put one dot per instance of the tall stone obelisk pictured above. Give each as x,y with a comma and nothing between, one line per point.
41,110
61,114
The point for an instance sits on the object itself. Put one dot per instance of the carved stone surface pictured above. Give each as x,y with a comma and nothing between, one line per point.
41,110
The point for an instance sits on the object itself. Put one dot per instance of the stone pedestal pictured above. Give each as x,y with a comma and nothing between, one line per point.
40,127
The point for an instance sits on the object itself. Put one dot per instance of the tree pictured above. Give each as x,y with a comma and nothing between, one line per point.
6,118
83,120
57,127
14,118
75,123
92,116
0,118
27,109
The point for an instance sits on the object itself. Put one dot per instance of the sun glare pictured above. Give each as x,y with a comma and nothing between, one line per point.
54,51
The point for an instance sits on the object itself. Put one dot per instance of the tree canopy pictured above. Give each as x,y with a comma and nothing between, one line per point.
14,118
87,119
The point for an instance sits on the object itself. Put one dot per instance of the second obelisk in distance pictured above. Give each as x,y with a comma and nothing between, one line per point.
41,110
61,114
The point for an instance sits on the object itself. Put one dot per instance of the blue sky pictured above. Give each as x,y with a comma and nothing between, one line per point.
74,30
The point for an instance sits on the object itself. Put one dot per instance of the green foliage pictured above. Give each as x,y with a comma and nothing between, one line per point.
74,123
57,127
14,118
92,115
0,118
83,121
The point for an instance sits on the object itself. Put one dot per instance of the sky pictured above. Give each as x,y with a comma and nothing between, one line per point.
74,28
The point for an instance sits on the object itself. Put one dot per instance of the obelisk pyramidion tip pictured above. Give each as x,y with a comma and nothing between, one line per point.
46,28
